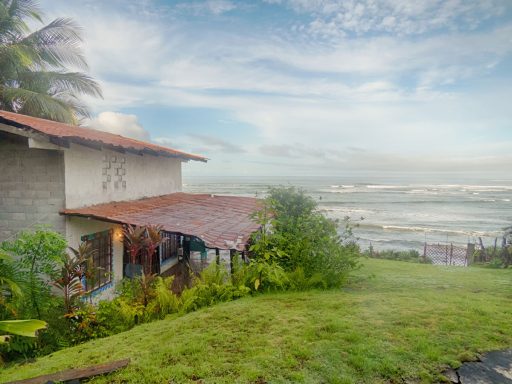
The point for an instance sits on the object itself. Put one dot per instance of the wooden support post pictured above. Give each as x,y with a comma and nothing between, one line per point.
217,256
232,253
186,248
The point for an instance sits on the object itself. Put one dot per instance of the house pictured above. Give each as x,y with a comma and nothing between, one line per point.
88,184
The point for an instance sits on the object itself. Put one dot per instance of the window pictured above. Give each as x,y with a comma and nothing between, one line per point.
169,247
101,244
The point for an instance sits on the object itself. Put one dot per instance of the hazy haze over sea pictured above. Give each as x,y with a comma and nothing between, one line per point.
394,211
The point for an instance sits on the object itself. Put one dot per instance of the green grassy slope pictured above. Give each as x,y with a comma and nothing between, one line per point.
396,320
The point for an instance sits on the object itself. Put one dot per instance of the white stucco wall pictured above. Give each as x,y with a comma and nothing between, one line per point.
99,176
76,227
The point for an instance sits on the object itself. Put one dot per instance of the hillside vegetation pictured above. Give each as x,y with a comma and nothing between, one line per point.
394,321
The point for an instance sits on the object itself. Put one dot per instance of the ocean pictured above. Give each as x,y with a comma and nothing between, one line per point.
393,211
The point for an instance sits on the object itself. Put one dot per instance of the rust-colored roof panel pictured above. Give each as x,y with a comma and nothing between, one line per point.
222,222
89,136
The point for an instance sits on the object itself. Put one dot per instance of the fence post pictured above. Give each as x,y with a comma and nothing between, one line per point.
451,253
470,250
425,253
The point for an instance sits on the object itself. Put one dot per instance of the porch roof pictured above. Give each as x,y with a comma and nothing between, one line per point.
222,222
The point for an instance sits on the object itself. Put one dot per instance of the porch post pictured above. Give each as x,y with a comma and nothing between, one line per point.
186,248
217,256
232,253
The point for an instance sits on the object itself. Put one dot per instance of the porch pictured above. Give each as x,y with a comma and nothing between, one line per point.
198,228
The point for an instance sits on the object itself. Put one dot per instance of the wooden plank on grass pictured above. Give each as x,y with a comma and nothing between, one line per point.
76,374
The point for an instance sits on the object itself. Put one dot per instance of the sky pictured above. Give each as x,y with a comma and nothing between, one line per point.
305,87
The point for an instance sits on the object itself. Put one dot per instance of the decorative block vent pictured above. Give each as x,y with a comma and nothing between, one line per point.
114,173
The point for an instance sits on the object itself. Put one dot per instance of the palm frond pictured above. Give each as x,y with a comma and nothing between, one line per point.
12,14
58,43
33,75
29,102
9,284
24,8
58,82
15,59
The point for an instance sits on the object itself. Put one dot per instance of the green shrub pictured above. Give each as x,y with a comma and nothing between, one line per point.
118,315
84,325
298,237
261,276
39,256
412,255
212,286
497,256
165,301
298,281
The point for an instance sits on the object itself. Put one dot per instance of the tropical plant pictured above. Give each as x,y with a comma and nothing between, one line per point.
142,243
28,328
74,269
9,288
34,79
210,287
84,325
9,283
134,241
39,256
152,240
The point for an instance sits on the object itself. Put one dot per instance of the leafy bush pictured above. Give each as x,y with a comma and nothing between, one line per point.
118,315
412,255
299,238
140,300
298,281
210,287
39,256
496,256
164,301
260,275
84,325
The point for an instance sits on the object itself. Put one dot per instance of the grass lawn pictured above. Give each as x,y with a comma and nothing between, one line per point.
396,322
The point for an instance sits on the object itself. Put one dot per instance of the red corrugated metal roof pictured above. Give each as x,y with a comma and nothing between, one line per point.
86,136
222,222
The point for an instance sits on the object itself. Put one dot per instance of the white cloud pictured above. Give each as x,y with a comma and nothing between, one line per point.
119,124
394,94
204,144
215,7
333,18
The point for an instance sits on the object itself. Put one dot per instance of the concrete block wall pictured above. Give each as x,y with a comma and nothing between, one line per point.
31,186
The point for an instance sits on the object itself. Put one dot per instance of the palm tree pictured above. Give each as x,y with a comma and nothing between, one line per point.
34,79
